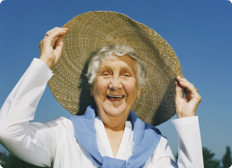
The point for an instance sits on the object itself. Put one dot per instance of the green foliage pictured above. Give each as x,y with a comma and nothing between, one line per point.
3,157
209,161
176,155
10,161
227,160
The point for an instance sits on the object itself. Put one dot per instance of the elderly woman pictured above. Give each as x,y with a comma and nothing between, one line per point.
109,134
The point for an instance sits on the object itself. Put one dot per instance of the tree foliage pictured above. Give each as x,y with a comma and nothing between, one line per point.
209,161
10,161
227,160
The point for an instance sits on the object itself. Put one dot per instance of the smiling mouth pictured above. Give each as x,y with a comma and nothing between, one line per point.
115,97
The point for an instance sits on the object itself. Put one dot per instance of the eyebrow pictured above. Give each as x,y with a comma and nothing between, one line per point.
104,67
127,68
110,67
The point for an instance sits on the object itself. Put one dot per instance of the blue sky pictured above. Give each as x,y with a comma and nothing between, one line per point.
200,32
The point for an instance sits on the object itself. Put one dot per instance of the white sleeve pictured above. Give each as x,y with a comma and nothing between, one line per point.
189,146
35,142
189,142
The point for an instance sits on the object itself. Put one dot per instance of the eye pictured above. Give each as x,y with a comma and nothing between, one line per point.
105,73
126,75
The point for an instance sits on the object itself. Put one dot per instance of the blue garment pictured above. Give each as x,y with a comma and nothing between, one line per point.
146,138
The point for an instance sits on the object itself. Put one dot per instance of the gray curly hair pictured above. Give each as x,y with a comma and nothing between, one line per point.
109,52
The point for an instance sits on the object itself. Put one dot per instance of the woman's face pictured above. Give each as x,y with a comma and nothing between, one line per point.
115,88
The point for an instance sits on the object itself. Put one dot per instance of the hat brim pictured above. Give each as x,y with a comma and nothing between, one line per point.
89,32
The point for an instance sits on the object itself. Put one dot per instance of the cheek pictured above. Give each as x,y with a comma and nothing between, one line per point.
130,88
100,87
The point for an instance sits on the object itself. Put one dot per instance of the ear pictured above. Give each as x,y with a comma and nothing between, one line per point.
138,92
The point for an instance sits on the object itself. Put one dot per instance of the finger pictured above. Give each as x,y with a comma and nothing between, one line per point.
59,46
53,35
189,87
48,33
56,30
59,42
179,90
178,78
185,81
191,93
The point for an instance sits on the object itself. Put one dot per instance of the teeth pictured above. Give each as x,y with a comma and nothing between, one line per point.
111,96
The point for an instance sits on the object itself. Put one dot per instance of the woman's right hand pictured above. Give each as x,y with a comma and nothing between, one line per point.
51,46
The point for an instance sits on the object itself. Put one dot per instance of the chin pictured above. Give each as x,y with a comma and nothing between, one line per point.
115,111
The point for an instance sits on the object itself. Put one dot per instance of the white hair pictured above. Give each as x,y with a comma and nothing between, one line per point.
109,52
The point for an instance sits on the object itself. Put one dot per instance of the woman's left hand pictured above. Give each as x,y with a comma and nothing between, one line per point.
186,106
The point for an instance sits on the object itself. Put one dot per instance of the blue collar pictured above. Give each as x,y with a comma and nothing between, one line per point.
146,138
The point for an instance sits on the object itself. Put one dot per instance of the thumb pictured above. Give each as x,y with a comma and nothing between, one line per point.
179,91
59,47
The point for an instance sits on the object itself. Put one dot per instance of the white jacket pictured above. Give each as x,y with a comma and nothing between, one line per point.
54,144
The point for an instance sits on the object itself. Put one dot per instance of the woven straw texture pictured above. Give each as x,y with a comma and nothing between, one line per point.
89,32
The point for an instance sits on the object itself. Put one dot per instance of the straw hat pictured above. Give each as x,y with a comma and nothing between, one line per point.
89,32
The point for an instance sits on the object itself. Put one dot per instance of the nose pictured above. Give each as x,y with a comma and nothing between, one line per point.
115,83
